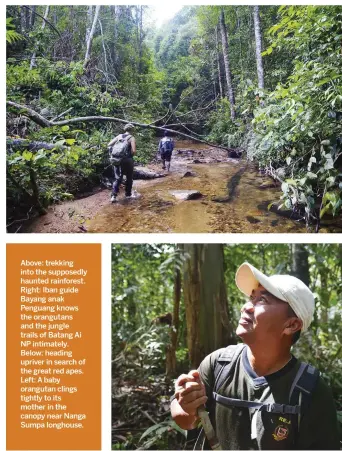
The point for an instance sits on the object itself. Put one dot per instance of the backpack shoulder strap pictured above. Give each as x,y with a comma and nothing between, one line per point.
301,391
225,363
303,386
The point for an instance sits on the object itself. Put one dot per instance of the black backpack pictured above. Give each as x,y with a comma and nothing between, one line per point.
299,396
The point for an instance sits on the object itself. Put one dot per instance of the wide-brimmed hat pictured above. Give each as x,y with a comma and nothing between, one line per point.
286,288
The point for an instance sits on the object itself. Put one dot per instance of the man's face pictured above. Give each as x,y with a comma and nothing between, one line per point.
263,317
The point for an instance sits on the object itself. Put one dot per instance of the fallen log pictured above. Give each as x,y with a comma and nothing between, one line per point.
31,145
43,122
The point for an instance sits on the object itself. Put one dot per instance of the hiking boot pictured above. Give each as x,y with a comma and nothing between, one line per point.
113,199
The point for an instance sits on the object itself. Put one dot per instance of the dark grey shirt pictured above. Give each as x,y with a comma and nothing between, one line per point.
233,425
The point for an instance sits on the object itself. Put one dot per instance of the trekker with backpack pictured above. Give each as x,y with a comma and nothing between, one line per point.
165,148
121,151
258,395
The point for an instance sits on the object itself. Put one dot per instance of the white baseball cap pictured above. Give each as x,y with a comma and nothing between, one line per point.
286,288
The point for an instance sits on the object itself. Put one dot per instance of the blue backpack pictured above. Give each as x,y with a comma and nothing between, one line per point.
167,145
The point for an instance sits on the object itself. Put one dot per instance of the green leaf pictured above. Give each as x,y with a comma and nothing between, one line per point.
70,141
311,175
65,128
27,155
175,426
150,430
337,207
324,210
39,156
288,160
60,143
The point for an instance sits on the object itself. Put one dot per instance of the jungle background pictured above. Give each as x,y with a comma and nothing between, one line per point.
174,304
264,80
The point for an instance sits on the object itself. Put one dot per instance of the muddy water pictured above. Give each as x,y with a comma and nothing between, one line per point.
231,201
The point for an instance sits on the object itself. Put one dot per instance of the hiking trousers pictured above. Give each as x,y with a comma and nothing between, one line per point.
166,155
125,168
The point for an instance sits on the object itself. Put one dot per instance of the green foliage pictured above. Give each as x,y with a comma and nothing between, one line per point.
59,173
158,430
174,38
296,130
125,84
222,129
11,35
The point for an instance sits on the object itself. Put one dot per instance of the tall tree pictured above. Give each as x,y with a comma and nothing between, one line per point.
218,62
32,16
225,50
205,299
172,347
91,35
89,22
33,58
139,20
258,47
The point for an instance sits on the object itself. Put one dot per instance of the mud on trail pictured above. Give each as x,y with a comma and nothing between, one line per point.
231,201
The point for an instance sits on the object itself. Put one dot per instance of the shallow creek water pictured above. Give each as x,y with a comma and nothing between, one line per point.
231,200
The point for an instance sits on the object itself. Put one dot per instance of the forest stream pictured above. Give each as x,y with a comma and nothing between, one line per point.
231,200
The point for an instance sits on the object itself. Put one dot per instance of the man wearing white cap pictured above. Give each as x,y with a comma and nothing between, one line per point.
259,396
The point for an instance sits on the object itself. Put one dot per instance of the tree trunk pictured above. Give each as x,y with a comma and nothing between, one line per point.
213,75
114,53
33,58
89,23
218,63
138,24
205,299
91,35
24,19
258,47
32,16
300,263
225,51
171,361
104,51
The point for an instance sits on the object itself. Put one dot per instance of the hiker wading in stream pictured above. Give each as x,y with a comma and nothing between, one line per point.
259,396
121,151
165,148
